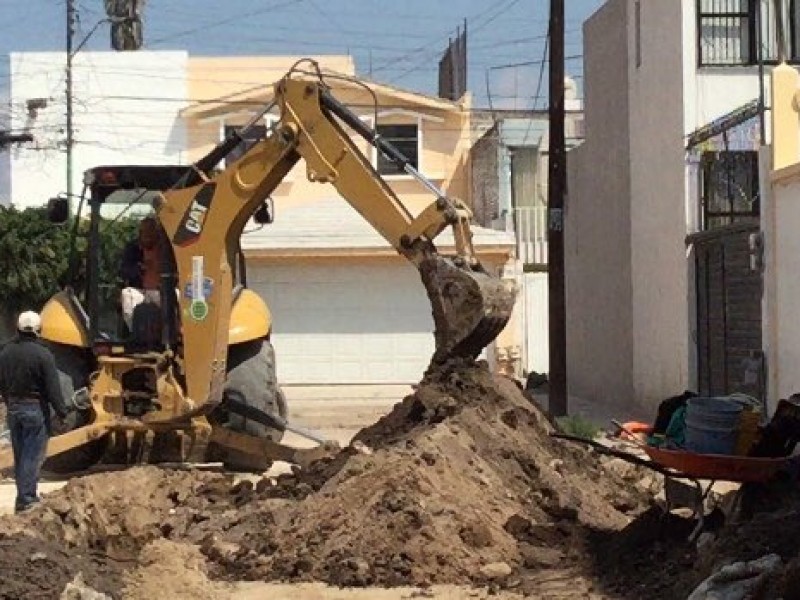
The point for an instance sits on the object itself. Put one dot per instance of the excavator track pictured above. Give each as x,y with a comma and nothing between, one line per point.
470,307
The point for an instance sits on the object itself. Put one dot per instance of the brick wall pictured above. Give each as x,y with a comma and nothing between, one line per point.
485,178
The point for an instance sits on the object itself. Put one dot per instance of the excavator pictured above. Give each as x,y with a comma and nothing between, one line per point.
197,373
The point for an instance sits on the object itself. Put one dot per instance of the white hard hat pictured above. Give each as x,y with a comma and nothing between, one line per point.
29,322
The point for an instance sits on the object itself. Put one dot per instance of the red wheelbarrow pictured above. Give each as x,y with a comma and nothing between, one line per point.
684,471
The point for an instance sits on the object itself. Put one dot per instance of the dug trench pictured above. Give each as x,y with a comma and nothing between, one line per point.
460,483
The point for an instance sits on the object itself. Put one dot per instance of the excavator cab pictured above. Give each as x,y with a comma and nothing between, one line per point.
209,381
110,193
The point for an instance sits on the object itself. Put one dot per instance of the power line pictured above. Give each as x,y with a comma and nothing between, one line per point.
530,63
229,20
438,41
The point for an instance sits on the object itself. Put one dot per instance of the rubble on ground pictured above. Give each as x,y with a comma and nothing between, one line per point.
460,483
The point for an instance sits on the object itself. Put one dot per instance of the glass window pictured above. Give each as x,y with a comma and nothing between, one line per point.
406,139
729,184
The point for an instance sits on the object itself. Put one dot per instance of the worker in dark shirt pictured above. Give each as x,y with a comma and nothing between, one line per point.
29,386
140,270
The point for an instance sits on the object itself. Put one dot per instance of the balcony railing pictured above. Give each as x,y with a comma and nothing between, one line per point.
530,224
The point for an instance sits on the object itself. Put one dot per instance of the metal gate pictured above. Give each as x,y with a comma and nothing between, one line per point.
728,291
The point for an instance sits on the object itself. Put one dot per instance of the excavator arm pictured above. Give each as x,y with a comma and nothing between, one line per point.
204,223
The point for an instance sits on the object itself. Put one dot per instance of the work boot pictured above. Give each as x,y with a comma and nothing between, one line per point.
21,508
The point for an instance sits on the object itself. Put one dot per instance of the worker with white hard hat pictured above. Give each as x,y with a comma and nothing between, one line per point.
29,386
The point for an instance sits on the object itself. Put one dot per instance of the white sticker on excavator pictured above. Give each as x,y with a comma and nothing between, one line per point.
198,309
197,278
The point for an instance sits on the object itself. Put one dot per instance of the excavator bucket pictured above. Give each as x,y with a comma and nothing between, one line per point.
470,307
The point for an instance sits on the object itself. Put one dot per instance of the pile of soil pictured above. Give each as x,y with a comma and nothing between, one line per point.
460,483
170,570
36,569
116,514
767,522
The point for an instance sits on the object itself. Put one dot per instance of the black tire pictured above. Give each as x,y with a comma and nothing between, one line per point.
73,371
252,379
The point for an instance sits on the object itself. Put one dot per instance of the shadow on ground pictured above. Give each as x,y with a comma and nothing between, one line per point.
651,558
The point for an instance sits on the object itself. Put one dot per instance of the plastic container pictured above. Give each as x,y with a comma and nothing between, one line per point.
712,425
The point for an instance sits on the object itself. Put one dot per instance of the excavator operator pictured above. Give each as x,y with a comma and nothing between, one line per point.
139,270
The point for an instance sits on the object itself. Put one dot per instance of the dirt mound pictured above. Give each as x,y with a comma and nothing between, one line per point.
34,569
171,570
116,514
462,483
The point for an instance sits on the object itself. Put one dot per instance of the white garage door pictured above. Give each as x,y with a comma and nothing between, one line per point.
348,324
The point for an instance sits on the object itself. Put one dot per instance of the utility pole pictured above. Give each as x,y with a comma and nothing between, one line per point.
557,171
71,20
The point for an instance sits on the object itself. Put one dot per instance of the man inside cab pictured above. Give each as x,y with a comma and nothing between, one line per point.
140,270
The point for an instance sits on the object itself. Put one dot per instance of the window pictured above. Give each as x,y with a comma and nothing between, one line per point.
729,187
726,28
252,137
403,137
727,33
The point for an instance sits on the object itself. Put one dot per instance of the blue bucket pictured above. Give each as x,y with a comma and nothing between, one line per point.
712,425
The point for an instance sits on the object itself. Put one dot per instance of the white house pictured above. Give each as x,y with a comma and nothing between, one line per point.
664,200
126,110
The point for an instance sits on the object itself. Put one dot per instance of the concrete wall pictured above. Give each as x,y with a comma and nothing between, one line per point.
712,92
784,264
598,229
126,108
781,245
658,217
445,131
534,300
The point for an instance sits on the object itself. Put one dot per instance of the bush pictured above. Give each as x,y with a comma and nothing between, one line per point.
34,255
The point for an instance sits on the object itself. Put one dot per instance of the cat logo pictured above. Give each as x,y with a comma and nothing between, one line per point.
195,218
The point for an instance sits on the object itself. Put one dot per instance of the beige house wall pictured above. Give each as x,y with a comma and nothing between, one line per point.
781,329
212,77
444,126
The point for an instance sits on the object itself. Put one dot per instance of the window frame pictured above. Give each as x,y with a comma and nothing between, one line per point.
706,188
268,122
750,16
374,158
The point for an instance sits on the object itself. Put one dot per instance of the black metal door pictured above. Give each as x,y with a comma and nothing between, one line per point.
729,290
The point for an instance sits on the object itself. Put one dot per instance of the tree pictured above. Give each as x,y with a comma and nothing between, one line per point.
35,253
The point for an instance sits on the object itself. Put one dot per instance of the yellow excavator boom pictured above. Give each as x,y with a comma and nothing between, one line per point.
205,221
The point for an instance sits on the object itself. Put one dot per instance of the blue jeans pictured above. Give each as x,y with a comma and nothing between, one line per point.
29,443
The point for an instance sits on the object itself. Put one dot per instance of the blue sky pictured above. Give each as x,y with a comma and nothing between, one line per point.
398,42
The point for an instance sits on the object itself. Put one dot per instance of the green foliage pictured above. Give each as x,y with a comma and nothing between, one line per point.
34,256
578,426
